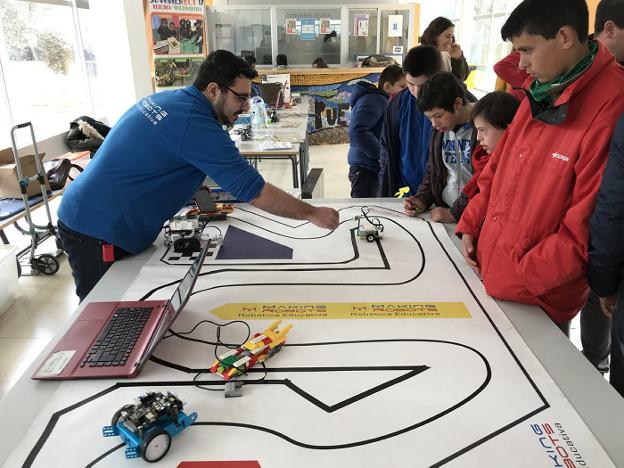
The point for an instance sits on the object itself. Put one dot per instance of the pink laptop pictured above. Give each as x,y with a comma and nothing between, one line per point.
115,339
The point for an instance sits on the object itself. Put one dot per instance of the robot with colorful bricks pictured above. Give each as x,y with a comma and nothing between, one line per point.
258,349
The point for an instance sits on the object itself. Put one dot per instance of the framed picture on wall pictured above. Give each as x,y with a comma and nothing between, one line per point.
172,71
360,25
395,25
308,32
174,33
291,26
324,26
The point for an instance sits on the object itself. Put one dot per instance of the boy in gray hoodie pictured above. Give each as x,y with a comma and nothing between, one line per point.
443,100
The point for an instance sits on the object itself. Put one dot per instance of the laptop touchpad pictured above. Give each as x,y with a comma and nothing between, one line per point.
81,335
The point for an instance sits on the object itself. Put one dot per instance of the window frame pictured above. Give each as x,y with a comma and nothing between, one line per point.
344,18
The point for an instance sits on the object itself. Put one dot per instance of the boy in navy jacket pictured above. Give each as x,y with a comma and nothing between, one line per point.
368,107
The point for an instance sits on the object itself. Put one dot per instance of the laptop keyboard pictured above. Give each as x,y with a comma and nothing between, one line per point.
114,344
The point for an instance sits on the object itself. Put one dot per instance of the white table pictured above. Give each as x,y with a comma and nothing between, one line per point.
600,407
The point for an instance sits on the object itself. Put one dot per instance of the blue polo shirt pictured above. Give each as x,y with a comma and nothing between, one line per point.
150,164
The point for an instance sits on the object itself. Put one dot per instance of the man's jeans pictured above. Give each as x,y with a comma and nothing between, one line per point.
85,258
596,334
364,183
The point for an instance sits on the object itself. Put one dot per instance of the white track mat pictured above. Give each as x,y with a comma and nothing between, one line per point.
396,358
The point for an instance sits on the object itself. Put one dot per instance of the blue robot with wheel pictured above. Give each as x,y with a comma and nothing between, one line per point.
148,427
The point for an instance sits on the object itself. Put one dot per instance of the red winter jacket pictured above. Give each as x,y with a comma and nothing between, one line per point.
480,157
538,190
508,70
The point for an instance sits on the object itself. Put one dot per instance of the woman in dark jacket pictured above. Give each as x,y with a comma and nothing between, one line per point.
441,34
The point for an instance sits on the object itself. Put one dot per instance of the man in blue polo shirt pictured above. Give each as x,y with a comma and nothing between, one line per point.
152,163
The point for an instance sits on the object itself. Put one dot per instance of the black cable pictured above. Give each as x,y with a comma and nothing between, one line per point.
222,389
216,345
213,227
374,221
218,325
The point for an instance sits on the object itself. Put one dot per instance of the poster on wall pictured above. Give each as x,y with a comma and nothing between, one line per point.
308,32
360,25
170,72
324,24
176,33
177,28
291,26
169,6
395,25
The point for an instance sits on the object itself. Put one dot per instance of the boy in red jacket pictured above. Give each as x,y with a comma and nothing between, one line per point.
537,193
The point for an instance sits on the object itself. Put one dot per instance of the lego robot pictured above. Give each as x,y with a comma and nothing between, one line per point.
368,228
147,427
185,234
261,347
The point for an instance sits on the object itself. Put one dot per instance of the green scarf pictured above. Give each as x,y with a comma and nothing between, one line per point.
549,92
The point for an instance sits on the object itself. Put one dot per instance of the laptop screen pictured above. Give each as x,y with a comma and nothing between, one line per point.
178,300
183,291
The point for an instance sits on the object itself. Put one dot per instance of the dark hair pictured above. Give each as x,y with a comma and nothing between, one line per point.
546,18
249,60
391,74
497,108
441,91
435,28
281,59
319,62
609,10
222,67
329,36
422,60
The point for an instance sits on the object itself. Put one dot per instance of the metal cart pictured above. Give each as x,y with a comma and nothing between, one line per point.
43,263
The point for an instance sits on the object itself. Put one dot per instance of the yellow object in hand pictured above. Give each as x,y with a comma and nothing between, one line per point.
402,191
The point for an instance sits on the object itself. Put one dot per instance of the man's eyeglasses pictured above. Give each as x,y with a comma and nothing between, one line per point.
243,98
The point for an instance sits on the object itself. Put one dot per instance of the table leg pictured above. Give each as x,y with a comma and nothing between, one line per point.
295,174
303,161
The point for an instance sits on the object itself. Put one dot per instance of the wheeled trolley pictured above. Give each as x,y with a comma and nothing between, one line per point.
43,263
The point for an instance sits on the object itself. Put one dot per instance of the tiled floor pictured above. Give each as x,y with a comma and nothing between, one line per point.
45,302
331,158
43,305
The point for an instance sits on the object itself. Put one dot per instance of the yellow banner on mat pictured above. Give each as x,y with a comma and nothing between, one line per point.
342,310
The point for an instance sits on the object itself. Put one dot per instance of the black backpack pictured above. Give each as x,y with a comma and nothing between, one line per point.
57,172
86,134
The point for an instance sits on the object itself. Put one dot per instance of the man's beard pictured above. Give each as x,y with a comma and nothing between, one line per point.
223,118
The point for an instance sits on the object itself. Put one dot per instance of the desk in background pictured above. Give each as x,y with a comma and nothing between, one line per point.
291,128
